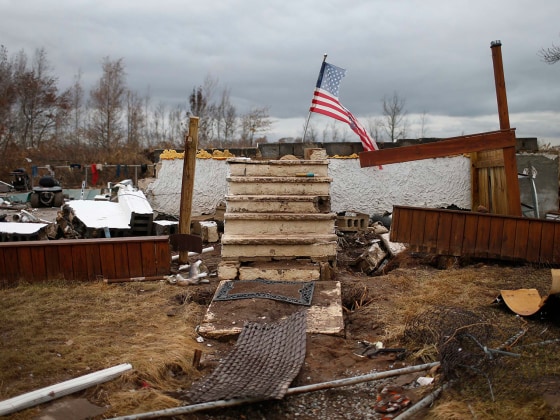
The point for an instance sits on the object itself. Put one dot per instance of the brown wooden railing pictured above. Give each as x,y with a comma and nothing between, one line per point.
83,259
483,235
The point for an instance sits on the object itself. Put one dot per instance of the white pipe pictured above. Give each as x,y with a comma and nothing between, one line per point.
204,251
59,390
192,254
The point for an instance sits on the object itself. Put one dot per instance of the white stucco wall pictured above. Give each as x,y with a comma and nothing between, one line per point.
426,183
431,183
210,186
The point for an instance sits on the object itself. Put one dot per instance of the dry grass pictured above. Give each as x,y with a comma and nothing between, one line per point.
55,332
518,386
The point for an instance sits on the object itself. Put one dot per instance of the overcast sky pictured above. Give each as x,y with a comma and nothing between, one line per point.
434,54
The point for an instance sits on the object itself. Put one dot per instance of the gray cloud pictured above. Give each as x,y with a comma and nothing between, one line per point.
434,54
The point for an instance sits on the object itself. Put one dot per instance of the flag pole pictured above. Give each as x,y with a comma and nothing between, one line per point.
309,115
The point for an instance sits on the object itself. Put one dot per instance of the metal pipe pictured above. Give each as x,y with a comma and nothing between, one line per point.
423,403
291,391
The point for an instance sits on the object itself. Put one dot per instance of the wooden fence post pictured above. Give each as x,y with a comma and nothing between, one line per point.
187,186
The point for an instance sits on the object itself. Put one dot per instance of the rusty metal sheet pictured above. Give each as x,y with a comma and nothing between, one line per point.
527,302
264,361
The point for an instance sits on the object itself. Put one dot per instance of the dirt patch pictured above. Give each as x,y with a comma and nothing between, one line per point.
55,332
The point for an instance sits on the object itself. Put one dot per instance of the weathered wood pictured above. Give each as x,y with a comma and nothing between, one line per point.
534,240
430,231
452,146
470,236
443,233
187,187
495,243
512,196
38,263
79,260
149,266
83,259
484,235
25,264
51,262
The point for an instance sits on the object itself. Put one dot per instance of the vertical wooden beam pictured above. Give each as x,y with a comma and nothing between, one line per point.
510,165
187,187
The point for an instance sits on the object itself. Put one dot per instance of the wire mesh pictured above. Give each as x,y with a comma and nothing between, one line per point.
492,355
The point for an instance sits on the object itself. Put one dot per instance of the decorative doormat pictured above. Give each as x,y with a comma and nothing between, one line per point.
264,361
297,292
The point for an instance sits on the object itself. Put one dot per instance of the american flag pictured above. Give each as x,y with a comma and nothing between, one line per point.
325,101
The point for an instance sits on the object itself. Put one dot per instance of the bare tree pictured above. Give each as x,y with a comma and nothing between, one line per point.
7,97
255,121
41,110
159,125
423,124
106,101
201,106
76,109
135,119
224,119
177,126
550,55
394,114
374,127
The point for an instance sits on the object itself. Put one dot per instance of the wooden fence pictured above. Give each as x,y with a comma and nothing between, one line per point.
482,235
83,259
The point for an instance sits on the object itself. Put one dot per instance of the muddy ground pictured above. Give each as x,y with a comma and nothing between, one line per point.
389,306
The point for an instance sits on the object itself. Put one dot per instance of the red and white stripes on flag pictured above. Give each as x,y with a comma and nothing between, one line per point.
325,101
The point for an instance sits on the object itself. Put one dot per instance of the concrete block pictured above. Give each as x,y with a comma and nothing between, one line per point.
394,248
228,270
207,230
372,258
281,271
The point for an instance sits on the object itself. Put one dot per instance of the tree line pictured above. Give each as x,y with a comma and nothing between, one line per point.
35,111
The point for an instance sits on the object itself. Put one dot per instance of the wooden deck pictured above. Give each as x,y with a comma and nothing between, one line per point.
482,235
83,259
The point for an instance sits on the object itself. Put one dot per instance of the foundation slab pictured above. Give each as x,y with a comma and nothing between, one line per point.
225,319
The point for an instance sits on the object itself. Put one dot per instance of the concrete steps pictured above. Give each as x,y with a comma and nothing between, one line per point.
279,223
278,204
277,211
280,185
278,168
244,248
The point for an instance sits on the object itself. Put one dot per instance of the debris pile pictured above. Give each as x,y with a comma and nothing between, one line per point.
366,242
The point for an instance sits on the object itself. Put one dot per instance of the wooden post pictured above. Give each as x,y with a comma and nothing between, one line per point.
187,186
510,164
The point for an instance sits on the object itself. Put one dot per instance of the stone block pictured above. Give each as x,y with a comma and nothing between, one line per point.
207,230
228,271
